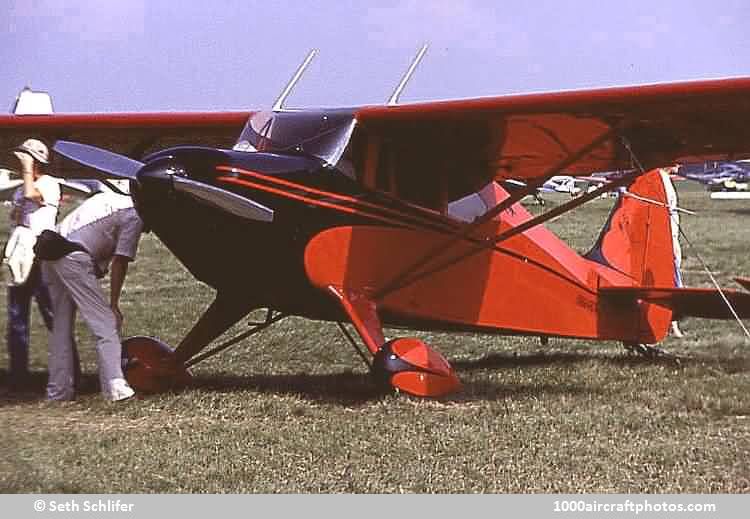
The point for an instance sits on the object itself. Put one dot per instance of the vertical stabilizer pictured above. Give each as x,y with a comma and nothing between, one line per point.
637,241
637,238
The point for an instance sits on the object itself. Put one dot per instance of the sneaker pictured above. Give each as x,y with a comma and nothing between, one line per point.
119,390
676,330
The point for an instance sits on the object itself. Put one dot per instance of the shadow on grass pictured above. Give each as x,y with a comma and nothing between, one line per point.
541,359
342,388
359,388
35,386
729,364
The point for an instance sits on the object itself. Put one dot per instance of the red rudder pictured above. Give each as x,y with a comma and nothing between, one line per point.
637,241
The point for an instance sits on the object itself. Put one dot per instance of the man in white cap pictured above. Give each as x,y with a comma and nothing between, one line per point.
674,221
108,228
35,206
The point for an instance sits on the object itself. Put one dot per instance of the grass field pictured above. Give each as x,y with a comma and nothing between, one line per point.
294,410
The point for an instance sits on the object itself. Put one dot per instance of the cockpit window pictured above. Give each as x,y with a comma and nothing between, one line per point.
321,134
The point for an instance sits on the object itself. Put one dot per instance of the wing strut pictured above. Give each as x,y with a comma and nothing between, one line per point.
393,100
403,279
279,104
513,231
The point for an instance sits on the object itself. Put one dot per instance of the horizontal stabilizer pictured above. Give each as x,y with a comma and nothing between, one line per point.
685,302
111,164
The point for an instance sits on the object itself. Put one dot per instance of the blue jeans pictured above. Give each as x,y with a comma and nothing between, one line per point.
19,313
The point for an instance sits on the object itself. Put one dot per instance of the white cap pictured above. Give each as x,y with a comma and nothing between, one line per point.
36,149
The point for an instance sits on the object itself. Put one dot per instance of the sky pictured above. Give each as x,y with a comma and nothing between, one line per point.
170,55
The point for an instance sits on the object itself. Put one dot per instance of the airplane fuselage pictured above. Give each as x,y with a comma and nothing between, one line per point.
255,259
251,259
265,262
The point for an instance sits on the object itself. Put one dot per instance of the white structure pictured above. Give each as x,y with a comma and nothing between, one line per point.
31,102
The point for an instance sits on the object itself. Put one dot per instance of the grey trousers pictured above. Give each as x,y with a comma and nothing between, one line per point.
73,285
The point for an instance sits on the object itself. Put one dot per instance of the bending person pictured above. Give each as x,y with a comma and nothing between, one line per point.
106,230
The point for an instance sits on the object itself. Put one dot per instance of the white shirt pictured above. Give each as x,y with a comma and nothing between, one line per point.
106,225
40,215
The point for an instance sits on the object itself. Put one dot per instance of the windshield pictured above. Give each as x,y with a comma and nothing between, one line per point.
322,134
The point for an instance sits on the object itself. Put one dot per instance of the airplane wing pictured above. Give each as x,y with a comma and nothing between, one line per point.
596,179
8,188
716,175
465,143
131,134
74,187
81,187
522,136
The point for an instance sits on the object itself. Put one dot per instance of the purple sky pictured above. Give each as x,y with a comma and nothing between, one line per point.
136,55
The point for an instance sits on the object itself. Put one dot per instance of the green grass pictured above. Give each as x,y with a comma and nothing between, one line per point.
293,409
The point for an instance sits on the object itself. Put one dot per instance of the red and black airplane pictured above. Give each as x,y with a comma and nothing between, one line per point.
342,214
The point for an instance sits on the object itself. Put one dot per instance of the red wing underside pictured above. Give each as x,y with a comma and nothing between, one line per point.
131,134
461,145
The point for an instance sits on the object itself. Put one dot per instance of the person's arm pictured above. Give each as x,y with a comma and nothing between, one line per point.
15,215
118,272
127,245
27,173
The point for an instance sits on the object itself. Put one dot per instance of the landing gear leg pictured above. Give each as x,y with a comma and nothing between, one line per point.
408,364
218,318
153,367
648,351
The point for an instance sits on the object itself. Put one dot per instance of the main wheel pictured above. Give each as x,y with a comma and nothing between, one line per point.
409,365
150,366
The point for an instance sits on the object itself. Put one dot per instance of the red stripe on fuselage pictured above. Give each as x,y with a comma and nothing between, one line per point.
311,201
426,218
